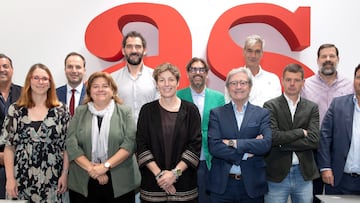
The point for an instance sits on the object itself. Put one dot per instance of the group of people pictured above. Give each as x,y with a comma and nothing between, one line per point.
133,130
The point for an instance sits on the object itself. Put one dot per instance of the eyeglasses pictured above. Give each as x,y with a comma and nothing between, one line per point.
195,69
236,83
38,78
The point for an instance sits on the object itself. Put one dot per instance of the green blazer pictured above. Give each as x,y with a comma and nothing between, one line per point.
125,176
213,99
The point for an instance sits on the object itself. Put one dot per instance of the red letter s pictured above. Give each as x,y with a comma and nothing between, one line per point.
224,54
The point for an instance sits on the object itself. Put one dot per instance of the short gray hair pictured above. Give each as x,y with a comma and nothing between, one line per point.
253,39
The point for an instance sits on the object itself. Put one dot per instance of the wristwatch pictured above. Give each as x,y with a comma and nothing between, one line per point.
231,143
177,172
107,165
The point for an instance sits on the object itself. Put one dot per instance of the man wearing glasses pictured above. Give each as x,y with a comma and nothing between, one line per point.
239,137
135,81
205,99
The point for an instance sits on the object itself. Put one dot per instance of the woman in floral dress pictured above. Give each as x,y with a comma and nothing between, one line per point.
34,132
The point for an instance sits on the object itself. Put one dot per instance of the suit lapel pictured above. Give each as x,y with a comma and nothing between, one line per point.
349,119
285,112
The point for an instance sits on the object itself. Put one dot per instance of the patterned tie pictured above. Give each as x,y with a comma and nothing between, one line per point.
72,102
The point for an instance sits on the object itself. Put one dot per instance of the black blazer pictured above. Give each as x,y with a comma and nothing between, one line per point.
288,137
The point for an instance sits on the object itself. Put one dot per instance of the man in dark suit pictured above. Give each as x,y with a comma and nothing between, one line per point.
74,71
9,93
290,165
239,136
338,155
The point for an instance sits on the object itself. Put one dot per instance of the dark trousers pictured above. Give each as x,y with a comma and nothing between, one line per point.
235,193
318,188
203,175
2,182
101,193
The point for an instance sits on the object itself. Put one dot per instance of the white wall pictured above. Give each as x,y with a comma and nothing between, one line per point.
45,31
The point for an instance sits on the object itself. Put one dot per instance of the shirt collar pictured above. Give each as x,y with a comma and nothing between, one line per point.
243,108
289,101
202,93
78,88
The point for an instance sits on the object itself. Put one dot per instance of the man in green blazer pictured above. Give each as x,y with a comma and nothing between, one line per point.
205,99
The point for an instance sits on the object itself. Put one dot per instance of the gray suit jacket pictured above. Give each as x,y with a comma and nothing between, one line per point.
288,137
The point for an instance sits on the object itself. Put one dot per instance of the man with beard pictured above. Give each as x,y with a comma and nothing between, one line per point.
205,99
266,84
338,154
135,82
9,93
73,93
322,87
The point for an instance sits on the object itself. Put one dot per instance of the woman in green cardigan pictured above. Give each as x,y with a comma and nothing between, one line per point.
101,144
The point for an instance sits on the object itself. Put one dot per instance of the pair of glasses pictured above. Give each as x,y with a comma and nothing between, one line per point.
242,83
195,69
38,78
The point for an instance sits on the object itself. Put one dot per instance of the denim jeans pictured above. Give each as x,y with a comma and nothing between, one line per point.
300,191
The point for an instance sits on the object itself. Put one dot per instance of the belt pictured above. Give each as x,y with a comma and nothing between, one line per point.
354,175
235,176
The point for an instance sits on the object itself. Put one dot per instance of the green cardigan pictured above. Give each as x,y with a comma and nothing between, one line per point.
213,99
125,176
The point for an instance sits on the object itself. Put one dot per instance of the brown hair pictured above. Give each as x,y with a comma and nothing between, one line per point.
26,99
110,81
166,67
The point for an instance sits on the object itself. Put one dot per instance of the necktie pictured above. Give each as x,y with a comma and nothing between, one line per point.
72,102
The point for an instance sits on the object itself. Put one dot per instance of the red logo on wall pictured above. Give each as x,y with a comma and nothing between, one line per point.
103,35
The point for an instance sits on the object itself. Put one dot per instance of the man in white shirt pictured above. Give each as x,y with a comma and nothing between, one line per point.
135,81
266,84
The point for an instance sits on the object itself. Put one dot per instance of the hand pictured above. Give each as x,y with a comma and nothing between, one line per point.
96,170
11,188
259,137
305,132
327,177
103,179
170,189
225,141
62,183
167,179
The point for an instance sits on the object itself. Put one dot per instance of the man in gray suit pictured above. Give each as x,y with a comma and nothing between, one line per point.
291,165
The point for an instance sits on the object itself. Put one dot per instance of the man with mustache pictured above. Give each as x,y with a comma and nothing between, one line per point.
135,82
205,99
322,87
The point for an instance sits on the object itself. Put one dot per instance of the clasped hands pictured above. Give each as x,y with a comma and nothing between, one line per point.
98,171
166,182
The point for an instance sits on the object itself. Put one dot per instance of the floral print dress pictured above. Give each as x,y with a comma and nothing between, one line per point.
38,158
